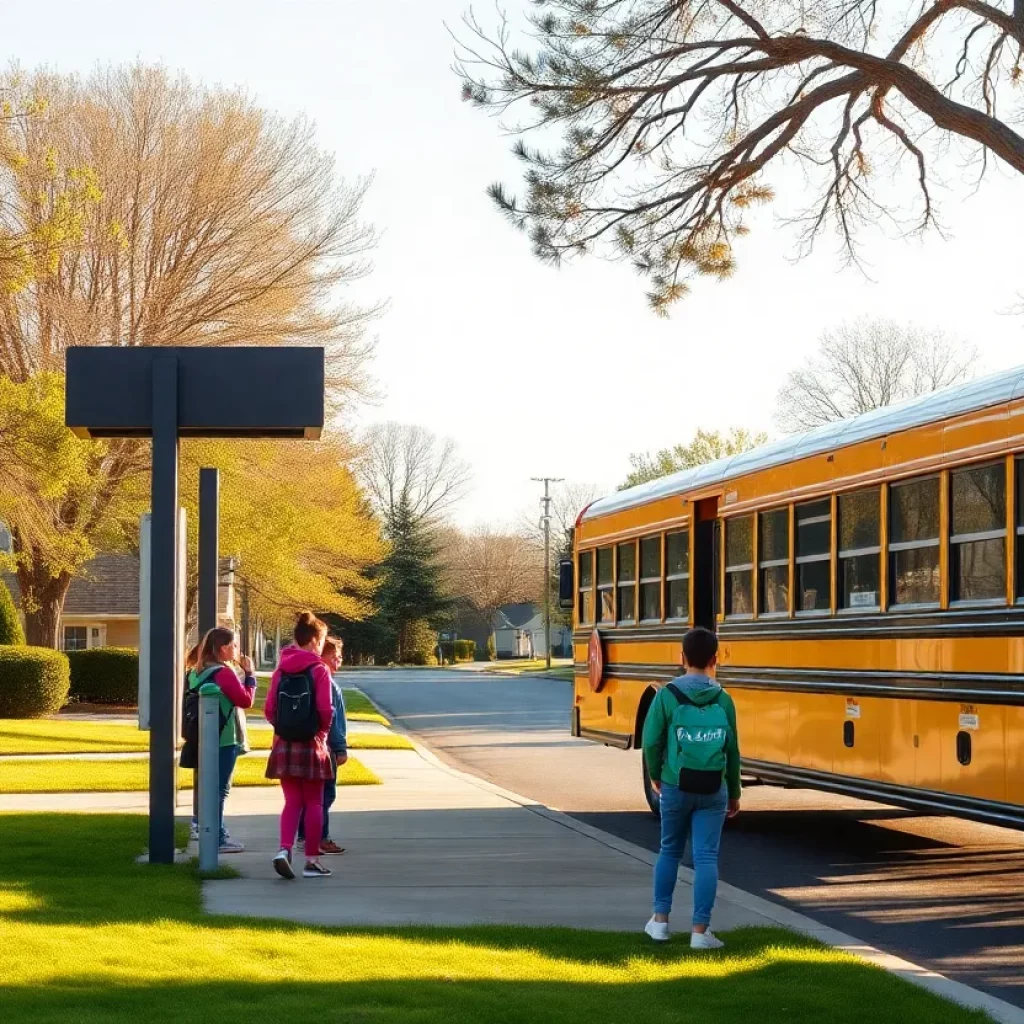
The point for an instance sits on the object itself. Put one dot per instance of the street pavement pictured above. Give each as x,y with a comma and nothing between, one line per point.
943,893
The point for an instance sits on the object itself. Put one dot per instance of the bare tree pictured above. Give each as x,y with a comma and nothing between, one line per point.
406,466
868,364
489,568
141,209
672,114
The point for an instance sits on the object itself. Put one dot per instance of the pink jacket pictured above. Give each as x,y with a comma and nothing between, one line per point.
295,659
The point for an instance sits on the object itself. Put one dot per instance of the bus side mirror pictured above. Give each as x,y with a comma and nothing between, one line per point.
566,590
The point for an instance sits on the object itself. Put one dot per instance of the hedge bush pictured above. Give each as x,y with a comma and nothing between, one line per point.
34,681
105,675
465,650
11,633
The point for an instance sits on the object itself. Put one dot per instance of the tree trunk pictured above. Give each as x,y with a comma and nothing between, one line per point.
42,600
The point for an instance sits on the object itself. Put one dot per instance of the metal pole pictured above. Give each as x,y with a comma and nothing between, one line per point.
164,640
209,781
209,543
246,624
547,481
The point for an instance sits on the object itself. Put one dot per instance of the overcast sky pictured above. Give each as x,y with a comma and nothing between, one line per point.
532,370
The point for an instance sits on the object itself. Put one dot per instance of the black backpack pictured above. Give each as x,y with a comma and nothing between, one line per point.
190,712
297,719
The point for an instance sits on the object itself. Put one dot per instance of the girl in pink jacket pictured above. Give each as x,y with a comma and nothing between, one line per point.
302,765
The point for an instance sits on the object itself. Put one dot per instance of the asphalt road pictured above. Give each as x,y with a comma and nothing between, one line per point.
943,893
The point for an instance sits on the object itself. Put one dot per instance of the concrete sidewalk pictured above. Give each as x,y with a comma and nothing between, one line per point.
435,847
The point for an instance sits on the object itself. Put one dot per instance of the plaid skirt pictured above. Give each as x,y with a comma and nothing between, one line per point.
309,759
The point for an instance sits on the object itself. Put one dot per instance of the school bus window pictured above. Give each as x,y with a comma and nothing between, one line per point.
914,542
1019,467
739,566
586,588
814,556
773,556
860,549
978,533
627,582
605,586
650,579
677,575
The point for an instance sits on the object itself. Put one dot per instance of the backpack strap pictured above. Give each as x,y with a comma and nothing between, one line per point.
682,698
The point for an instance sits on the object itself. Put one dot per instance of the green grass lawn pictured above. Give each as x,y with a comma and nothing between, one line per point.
560,668
90,937
358,707
70,736
59,775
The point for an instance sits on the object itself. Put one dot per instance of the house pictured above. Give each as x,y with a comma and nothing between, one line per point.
519,633
102,604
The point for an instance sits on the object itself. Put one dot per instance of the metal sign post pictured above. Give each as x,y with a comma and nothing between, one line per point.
209,772
166,394
209,547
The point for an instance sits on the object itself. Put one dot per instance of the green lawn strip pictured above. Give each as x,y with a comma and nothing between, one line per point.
130,775
70,736
94,938
358,707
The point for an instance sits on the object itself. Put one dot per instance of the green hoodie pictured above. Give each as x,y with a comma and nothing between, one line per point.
701,690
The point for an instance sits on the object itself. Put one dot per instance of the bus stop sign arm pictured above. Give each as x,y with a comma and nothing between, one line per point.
166,393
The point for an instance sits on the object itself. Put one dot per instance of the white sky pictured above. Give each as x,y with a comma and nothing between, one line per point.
533,371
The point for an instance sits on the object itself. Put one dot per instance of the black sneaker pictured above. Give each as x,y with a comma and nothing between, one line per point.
314,869
283,863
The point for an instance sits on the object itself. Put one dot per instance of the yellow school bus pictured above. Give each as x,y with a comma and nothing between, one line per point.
866,581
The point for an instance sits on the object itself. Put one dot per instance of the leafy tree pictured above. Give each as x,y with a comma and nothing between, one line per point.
673,117
868,364
11,633
706,446
145,210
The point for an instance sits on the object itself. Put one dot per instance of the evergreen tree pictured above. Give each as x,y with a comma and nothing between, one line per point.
411,595
11,632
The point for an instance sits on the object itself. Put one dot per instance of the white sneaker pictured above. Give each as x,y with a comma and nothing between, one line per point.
658,930
705,940
283,864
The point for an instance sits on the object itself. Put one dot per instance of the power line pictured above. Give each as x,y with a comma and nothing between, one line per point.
547,481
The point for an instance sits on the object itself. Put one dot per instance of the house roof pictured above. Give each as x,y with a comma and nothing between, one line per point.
982,393
514,616
109,585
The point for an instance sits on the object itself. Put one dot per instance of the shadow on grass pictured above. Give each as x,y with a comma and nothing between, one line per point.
62,873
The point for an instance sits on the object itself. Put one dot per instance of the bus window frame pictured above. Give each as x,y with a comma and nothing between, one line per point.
1015,514
748,567
647,581
581,590
848,553
676,577
634,582
799,560
600,588
774,563
971,538
892,547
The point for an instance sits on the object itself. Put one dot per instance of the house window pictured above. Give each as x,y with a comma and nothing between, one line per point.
773,558
739,566
76,638
677,571
977,526
914,542
585,610
605,586
860,549
650,579
814,556
626,555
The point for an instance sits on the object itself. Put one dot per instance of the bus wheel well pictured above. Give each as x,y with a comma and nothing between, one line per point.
646,699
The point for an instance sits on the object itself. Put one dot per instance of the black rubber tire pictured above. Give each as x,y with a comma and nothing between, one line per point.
653,801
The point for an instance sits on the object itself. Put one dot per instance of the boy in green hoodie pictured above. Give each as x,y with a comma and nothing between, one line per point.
692,751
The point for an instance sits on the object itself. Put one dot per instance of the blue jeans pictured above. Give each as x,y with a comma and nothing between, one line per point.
228,757
702,817
330,793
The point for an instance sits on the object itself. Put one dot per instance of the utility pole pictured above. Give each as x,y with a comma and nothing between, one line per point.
547,481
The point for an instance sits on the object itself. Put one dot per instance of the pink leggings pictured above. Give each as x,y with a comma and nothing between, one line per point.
302,794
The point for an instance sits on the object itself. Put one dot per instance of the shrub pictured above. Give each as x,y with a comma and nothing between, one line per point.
105,675
11,633
465,650
492,650
34,682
